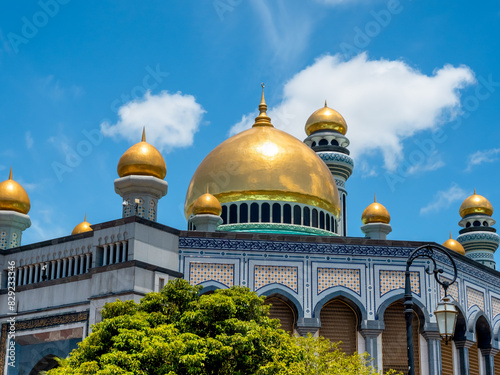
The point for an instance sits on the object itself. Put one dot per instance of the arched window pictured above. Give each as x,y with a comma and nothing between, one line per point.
467,225
313,144
282,310
276,213
233,214
322,220
315,218
333,224
297,215
45,364
334,142
266,213
394,338
485,223
339,323
476,223
287,214
224,214
323,142
254,212
243,213
327,222
307,216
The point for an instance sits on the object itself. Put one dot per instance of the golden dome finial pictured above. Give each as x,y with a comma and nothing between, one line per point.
476,204
454,245
262,119
207,204
326,105
375,213
375,197
475,191
143,134
84,226
326,118
13,197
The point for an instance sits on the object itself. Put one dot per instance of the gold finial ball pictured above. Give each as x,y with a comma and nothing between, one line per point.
207,204
84,226
142,159
326,119
375,213
13,197
476,204
454,245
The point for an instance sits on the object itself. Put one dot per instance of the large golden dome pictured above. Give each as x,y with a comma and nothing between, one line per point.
454,245
375,213
142,159
207,204
13,197
476,204
84,226
326,119
264,163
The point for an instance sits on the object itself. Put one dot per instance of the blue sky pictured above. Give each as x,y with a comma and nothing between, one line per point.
418,83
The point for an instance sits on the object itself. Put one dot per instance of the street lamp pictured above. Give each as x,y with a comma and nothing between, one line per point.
446,313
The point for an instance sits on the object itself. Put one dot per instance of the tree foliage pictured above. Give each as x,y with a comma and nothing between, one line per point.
179,332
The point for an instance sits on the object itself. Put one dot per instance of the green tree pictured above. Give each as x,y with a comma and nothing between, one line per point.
177,332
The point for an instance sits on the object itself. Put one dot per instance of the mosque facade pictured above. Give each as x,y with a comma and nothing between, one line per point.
256,217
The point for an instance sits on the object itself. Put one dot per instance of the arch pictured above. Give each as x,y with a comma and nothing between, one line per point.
287,214
480,325
46,363
307,216
297,215
284,310
254,213
346,297
323,142
51,352
243,213
211,286
314,218
340,322
233,214
265,213
421,310
276,213
224,214
275,290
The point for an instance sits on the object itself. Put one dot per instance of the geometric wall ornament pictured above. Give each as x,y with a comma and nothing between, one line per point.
201,272
391,280
349,278
495,306
285,275
475,297
452,289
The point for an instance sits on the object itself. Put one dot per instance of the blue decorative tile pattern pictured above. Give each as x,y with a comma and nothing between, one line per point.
329,277
335,156
493,237
475,298
285,275
495,307
201,272
391,280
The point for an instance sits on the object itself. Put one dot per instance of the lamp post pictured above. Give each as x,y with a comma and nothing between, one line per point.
446,313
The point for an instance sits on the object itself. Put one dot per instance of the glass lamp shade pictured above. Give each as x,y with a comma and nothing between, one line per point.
446,315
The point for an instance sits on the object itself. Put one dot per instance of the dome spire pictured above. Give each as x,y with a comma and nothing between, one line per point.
143,134
326,105
10,174
262,119
375,197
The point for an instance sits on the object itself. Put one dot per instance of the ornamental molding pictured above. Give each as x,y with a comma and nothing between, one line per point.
483,236
274,227
336,156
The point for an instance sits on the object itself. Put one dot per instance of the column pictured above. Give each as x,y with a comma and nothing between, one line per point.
59,269
37,275
463,355
52,269
371,344
76,259
65,267
87,263
112,253
19,277
105,255
124,251
489,362
26,273
434,351
81,264
30,277
70,266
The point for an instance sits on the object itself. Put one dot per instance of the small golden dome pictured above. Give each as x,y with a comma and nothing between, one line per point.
142,159
375,213
84,226
476,204
264,163
207,204
13,197
326,119
454,245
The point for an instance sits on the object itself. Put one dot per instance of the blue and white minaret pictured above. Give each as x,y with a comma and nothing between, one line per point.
326,129
478,237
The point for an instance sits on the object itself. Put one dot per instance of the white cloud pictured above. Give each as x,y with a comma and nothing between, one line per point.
29,140
432,163
444,198
480,157
383,101
171,120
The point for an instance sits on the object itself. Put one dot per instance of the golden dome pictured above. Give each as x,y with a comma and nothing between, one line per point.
142,159
264,163
326,119
13,197
84,226
207,204
454,245
375,213
476,204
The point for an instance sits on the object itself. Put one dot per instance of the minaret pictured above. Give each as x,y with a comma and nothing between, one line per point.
206,213
14,208
376,219
478,238
142,170
326,129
